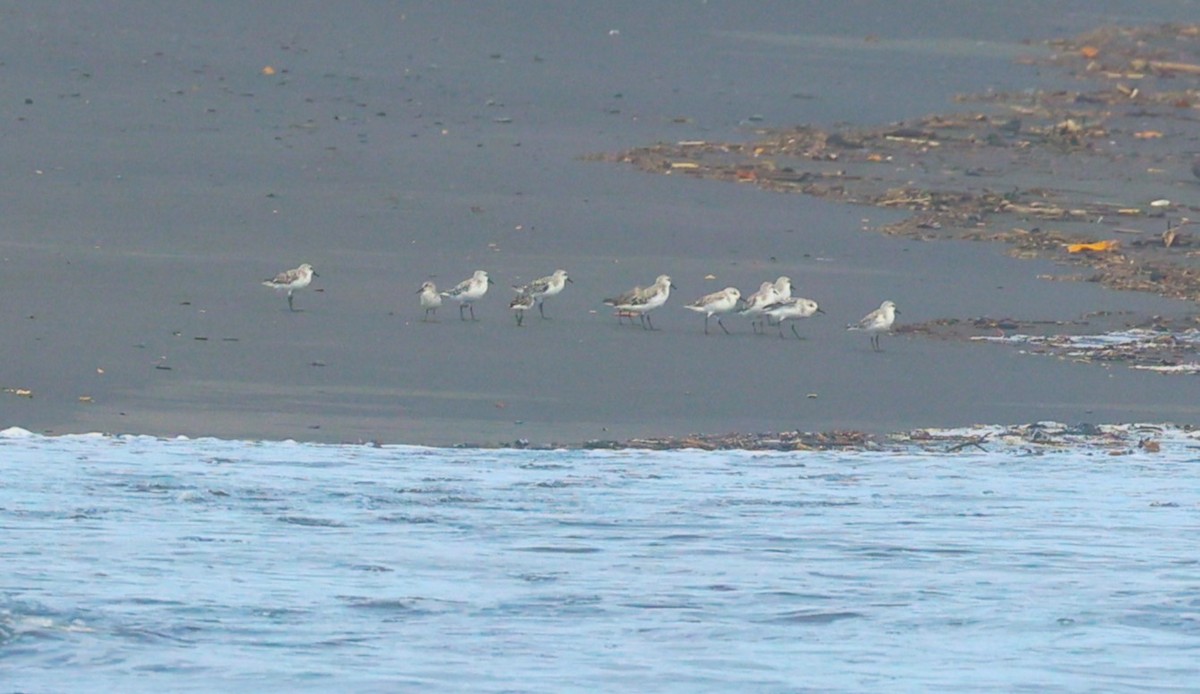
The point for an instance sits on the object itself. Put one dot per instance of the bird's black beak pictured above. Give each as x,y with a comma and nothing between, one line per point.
820,310
571,280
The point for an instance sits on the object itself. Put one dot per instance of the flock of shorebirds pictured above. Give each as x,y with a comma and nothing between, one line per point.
772,304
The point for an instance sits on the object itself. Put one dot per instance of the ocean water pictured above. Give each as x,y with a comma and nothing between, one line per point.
138,564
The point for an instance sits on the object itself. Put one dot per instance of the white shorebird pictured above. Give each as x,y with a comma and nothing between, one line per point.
716,303
792,308
645,301
783,288
467,291
430,300
544,287
757,302
878,321
520,304
291,280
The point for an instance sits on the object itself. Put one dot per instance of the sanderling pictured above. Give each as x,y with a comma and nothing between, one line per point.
645,301
720,302
520,304
622,299
878,321
291,280
757,302
544,287
430,299
794,307
783,288
467,291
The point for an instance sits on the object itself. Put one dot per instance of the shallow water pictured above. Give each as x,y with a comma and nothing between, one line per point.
141,564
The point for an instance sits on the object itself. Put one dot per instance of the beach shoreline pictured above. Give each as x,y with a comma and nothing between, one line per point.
157,180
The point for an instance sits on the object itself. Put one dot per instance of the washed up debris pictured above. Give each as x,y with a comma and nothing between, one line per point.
1169,346
20,392
1033,438
1151,350
995,173
1097,247
1111,439
780,441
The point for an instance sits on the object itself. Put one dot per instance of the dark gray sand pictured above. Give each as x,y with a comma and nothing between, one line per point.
155,175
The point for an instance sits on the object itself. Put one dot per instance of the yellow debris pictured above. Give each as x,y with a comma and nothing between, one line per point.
1098,246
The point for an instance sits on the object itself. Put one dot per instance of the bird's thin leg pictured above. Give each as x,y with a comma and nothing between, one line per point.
290,307
541,308
520,316
706,324
460,311
472,307
649,322
722,325
796,333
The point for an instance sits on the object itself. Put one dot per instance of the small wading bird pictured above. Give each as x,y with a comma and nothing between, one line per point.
642,302
624,298
430,300
520,304
756,304
291,280
783,288
467,291
878,321
789,309
715,304
543,287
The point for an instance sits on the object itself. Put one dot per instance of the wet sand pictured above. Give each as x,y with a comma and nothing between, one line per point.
156,176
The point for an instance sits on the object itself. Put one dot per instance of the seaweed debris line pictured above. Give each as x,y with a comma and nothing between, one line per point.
1034,438
994,174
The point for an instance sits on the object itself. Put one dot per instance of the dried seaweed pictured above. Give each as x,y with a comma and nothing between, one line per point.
994,174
